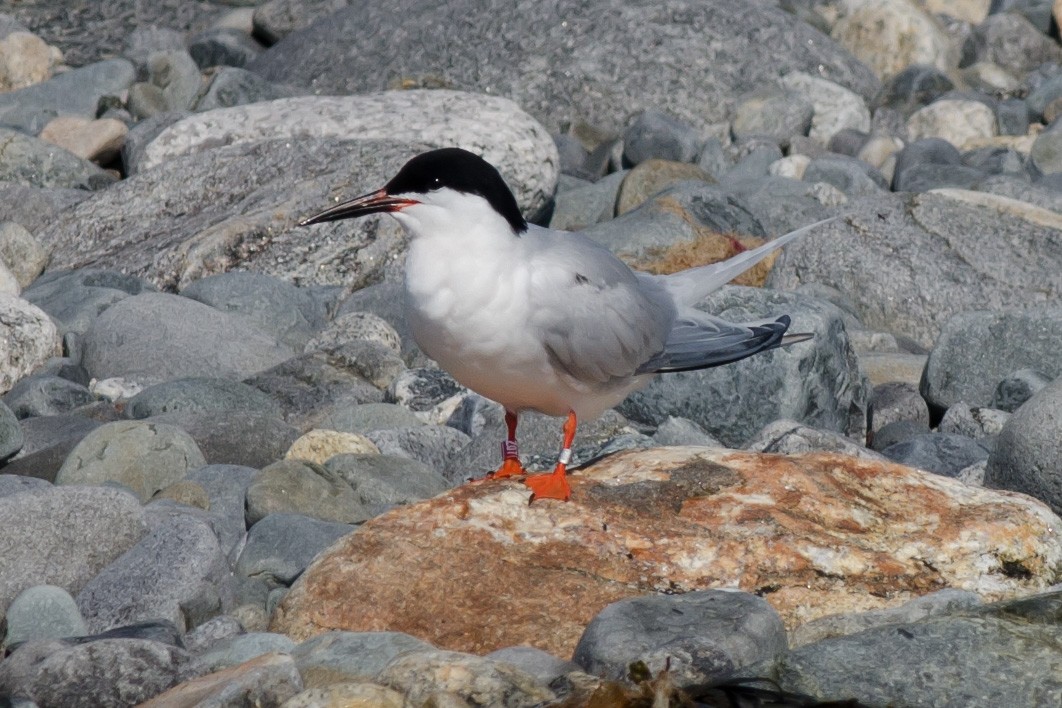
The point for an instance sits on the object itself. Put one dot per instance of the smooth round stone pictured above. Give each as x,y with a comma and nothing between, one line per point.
915,86
97,140
941,453
1046,152
232,86
1017,388
144,457
21,252
320,445
755,162
11,437
957,121
654,134
432,445
353,326
199,395
540,664
890,35
1012,116
43,612
652,176
351,656
894,401
223,46
973,422
297,487
367,417
29,339
382,481
176,74
582,206
1010,41
681,431
241,648
44,395
836,107
280,546
848,174
234,437
779,115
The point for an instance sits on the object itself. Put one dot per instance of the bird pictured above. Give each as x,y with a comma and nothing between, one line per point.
543,320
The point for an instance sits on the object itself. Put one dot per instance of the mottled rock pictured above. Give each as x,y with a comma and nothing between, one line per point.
74,92
787,437
21,252
836,107
941,453
382,481
351,656
957,121
280,546
622,536
234,437
320,445
294,486
267,680
97,140
652,176
656,135
477,680
891,35
199,395
43,612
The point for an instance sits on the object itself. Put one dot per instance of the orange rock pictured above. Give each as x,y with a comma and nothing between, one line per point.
477,569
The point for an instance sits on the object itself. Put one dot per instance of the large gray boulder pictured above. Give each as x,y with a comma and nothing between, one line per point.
566,61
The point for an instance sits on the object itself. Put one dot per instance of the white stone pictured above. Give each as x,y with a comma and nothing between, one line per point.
957,121
836,108
790,166
493,127
26,59
891,35
320,445
28,338
21,252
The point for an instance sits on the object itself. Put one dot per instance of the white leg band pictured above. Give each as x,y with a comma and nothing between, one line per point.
565,456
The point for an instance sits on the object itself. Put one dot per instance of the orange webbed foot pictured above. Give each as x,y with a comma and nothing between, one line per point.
553,485
511,467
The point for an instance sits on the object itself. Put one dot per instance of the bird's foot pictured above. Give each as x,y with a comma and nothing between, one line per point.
511,467
553,485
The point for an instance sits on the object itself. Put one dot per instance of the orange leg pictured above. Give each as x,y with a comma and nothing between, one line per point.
554,485
510,453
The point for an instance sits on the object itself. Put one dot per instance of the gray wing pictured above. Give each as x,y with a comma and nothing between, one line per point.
698,340
597,319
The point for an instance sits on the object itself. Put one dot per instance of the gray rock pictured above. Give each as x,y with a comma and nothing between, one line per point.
776,114
146,40
782,204
226,487
276,19
11,436
1017,388
846,142
175,73
48,442
234,437
836,107
173,227
199,395
973,422
997,161
422,390
108,672
375,362
654,134
680,431
35,207
583,206
299,487
43,612
172,573
850,175
155,337
959,661
714,159
893,247
541,664
465,679
351,656
754,163
1046,152
352,326
898,431
383,481
74,92
916,86
143,457
140,136
707,635
280,546
241,648
816,383
231,86
433,445
309,387
146,101
1028,453
894,401
15,484
74,299
210,633
1043,94
942,602
64,536
21,252
223,46
44,395
787,437
290,314
1012,42
366,417
977,350
29,336
572,157
1012,116
941,453
36,163
688,63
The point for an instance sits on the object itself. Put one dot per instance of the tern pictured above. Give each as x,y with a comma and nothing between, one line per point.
544,320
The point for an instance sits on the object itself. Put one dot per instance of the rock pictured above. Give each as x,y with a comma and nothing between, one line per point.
990,79
973,422
1026,457
1046,153
175,74
542,665
366,417
241,648
754,160
173,573
680,431
223,46
267,680
47,442
108,672
959,122
921,242
787,437
276,19
892,35
351,656
893,401
977,350
896,432
915,86
1012,42
496,128
37,163
818,384
75,92
234,437
13,484
199,395
791,166
280,546
848,174
74,299
659,136
43,394
43,612
1005,660
143,457
26,59
907,532
143,41
319,446
347,695
226,488
155,337
781,204
21,252
211,632
353,326
432,445
98,525
97,140
475,679
688,63
779,115
308,388
274,306
383,481
1012,116
888,367
941,453
1017,388
11,437
294,486
231,86
652,176
836,107
698,637
931,163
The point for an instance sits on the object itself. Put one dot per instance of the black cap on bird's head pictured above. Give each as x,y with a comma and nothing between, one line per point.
445,168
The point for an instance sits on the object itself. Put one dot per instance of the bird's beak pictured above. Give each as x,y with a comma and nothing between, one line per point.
372,203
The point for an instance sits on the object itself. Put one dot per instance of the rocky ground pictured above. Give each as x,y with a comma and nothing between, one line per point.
229,477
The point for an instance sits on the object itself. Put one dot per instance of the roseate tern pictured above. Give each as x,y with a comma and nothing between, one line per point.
545,320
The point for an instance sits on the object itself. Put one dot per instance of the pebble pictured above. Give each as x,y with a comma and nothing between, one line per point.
173,296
